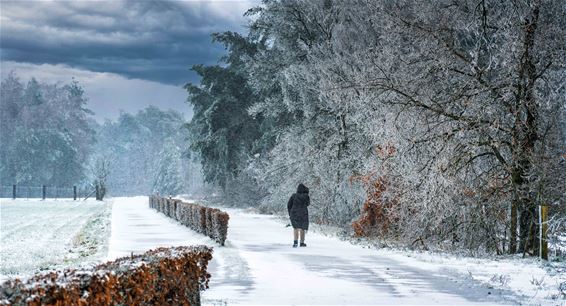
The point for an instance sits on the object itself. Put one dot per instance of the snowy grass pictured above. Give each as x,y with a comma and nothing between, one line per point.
38,235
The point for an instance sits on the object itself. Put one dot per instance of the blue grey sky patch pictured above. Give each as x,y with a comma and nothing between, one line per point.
150,40
146,40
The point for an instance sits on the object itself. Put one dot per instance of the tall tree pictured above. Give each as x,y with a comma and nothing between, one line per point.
45,136
221,130
168,179
137,144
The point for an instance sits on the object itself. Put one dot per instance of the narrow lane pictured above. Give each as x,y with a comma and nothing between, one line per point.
258,265
329,271
136,228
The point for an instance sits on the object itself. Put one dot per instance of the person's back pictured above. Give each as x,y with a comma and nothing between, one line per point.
299,213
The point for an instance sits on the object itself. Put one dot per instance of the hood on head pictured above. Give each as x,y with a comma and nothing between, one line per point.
302,189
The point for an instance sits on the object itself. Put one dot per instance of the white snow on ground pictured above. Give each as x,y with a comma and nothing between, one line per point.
38,235
532,280
136,228
327,271
258,266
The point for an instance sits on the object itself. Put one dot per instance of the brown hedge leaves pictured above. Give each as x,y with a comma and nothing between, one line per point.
164,276
205,220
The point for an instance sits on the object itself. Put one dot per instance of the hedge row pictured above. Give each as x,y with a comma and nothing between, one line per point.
165,276
205,220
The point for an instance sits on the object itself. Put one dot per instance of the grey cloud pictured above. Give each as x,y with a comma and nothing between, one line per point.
108,94
152,40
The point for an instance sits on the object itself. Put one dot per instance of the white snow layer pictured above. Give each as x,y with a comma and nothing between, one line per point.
39,235
258,265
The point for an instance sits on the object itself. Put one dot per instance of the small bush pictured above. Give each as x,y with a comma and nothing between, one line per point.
220,223
181,212
201,212
379,210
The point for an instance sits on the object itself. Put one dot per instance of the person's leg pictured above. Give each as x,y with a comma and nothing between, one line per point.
302,232
295,236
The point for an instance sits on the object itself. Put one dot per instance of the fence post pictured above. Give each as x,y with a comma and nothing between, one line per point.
74,193
43,191
14,192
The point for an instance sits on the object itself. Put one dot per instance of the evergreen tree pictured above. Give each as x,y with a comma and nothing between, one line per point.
222,132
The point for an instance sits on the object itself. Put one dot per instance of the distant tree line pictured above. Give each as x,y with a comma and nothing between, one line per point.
145,153
45,133
49,137
443,120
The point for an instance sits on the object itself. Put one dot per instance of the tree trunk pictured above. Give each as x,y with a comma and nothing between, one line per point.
525,136
513,228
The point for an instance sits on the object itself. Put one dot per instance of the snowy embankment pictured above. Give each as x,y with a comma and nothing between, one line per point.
39,235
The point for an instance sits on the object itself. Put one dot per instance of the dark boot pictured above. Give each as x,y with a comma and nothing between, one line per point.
303,244
295,243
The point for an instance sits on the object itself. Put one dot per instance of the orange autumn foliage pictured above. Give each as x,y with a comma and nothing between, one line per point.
378,211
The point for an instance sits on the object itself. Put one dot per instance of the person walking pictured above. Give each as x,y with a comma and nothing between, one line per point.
299,214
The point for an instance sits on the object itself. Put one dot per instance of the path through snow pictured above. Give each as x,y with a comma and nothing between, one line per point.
258,266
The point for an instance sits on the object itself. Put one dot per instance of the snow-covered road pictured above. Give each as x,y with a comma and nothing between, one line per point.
258,265
136,228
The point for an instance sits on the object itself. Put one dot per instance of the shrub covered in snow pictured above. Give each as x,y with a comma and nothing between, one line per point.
164,276
205,220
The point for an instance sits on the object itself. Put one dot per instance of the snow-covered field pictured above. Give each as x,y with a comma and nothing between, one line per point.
258,265
38,235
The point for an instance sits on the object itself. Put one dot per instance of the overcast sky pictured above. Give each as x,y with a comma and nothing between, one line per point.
126,54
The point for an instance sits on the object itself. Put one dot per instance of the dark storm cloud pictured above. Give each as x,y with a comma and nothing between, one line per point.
152,40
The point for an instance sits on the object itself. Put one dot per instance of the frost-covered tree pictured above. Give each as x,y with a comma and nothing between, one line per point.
450,114
100,172
482,83
45,135
168,179
136,145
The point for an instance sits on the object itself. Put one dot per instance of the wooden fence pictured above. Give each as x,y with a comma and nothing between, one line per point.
42,192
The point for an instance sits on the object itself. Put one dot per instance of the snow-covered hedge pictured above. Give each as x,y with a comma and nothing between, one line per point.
164,276
205,220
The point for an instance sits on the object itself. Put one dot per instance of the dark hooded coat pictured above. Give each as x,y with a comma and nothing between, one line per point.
297,207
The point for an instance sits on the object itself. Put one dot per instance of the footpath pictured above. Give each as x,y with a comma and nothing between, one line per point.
258,265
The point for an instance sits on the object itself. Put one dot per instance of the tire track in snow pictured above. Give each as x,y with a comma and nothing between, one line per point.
37,234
